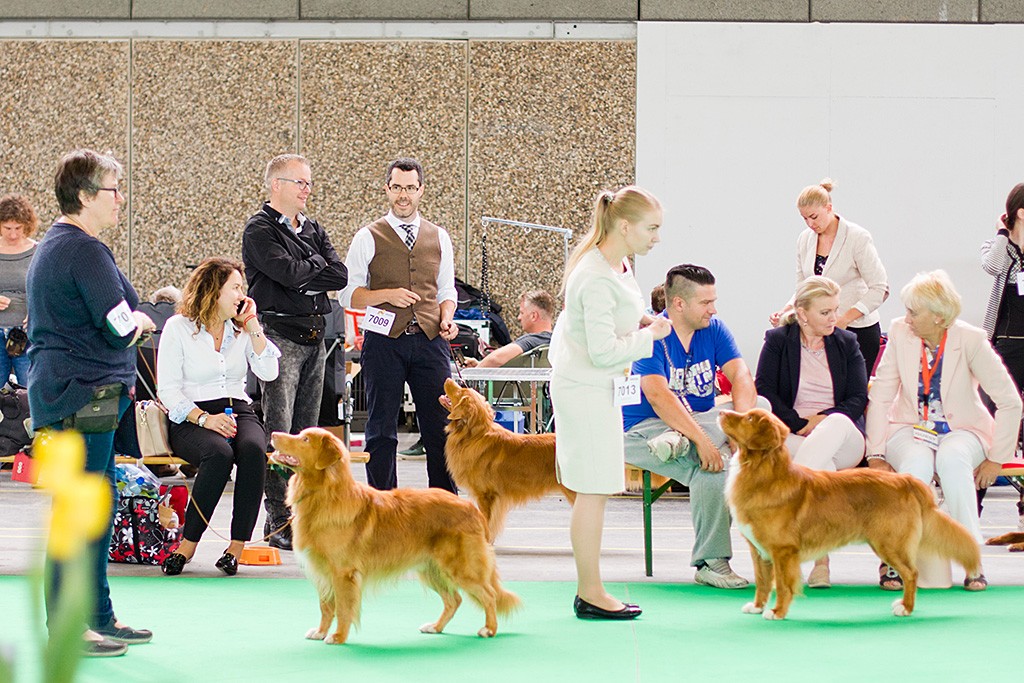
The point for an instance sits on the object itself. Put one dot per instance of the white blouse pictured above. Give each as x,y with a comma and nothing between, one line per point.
190,369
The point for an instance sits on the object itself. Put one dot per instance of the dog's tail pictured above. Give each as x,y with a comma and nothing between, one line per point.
942,535
506,602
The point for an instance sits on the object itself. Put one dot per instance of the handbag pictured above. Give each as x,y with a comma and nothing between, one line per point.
100,414
151,429
17,341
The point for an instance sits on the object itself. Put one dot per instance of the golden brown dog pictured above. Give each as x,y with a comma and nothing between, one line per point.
501,469
352,534
1014,539
790,514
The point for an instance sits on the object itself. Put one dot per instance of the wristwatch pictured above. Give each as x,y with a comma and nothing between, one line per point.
201,421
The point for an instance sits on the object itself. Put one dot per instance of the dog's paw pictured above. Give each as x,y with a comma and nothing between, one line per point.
430,628
334,639
752,608
485,633
315,634
770,615
898,609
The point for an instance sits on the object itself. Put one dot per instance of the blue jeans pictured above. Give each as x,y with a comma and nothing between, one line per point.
19,363
99,457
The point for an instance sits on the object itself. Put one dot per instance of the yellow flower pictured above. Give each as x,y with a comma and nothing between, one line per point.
81,500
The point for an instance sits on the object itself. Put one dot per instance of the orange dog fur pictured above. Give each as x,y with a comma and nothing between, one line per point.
500,469
1014,539
791,514
351,534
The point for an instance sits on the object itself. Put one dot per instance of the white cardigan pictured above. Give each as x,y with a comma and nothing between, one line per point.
854,264
597,337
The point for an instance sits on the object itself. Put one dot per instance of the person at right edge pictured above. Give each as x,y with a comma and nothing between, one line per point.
403,264
290,265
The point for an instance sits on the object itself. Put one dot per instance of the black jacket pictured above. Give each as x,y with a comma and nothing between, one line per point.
281,266
778,374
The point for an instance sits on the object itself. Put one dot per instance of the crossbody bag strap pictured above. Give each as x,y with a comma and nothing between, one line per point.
152,377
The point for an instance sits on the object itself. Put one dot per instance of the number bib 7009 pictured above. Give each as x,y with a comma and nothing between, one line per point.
378,320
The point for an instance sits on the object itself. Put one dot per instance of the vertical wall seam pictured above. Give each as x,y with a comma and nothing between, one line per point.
466,166
298,96
131,158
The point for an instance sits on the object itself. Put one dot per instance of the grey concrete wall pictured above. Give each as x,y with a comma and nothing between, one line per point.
911,11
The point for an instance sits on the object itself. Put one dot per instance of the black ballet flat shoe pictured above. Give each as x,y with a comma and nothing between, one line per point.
584,610
228,564
174,563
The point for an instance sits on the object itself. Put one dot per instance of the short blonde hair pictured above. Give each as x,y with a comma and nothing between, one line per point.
816,195
935,293
814,287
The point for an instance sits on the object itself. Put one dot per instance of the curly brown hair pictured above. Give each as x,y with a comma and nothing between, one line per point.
199,300
15,207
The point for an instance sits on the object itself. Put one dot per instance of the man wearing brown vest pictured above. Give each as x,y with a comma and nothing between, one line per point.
404,265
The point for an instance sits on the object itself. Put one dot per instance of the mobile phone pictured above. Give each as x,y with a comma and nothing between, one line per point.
457,355
241,307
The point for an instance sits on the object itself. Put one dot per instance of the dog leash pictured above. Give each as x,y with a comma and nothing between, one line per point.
681,393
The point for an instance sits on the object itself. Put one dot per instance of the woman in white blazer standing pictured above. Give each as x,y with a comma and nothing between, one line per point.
844,252
602,330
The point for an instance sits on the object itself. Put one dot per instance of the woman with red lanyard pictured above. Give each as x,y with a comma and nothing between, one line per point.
925,417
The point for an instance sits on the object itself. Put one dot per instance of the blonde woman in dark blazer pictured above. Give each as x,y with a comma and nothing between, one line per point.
843,251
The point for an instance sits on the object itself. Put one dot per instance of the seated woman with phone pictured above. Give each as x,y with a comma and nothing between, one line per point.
204,355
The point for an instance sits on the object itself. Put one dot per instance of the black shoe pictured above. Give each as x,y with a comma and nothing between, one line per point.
584,610
173,564
228,564
124,634
278,537
103,648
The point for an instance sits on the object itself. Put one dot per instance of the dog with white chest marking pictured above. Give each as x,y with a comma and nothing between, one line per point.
791,514
353,534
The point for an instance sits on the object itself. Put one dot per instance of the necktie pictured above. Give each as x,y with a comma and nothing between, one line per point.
410,238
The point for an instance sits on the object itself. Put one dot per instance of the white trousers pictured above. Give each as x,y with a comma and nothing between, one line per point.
959,454
835,444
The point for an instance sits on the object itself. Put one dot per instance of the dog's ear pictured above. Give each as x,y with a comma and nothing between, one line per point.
331,449
460,406
763,431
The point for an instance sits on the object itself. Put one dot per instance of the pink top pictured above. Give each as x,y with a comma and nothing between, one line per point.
814,393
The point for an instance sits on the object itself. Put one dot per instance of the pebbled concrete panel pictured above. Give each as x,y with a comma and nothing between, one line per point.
60,96
550,124
222,9
207,116
365,104
65,9
554,9
724,10
895,10
408,10
1002,11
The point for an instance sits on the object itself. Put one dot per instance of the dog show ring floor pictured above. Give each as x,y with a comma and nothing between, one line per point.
251,627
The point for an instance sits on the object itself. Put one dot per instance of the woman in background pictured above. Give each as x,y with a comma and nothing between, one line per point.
595,340
813,375
1001,258
18,222
82,328
205,353
925,416
843,251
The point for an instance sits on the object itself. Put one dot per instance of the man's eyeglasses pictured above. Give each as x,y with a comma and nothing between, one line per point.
399,189
303,184
115,190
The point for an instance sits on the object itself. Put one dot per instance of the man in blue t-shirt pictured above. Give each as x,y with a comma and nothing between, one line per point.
686,444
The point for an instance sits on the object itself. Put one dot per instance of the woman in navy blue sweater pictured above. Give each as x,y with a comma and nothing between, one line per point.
82,327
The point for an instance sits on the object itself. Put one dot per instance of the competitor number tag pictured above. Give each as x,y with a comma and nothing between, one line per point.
378,320
926,436
627,390
121,320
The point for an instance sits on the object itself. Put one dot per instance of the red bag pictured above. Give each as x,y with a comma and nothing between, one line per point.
178,499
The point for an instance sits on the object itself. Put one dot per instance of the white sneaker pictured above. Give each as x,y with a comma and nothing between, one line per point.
718,574
668,445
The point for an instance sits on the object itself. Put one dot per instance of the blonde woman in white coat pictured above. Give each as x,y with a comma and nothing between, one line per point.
844,252
602,330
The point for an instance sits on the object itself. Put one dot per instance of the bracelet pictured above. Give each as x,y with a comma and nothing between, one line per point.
247,319
876,456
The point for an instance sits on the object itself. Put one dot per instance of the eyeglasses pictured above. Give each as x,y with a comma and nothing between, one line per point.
399,189
303,184
115,190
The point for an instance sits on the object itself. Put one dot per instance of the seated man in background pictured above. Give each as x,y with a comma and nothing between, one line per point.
537,311
674,430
